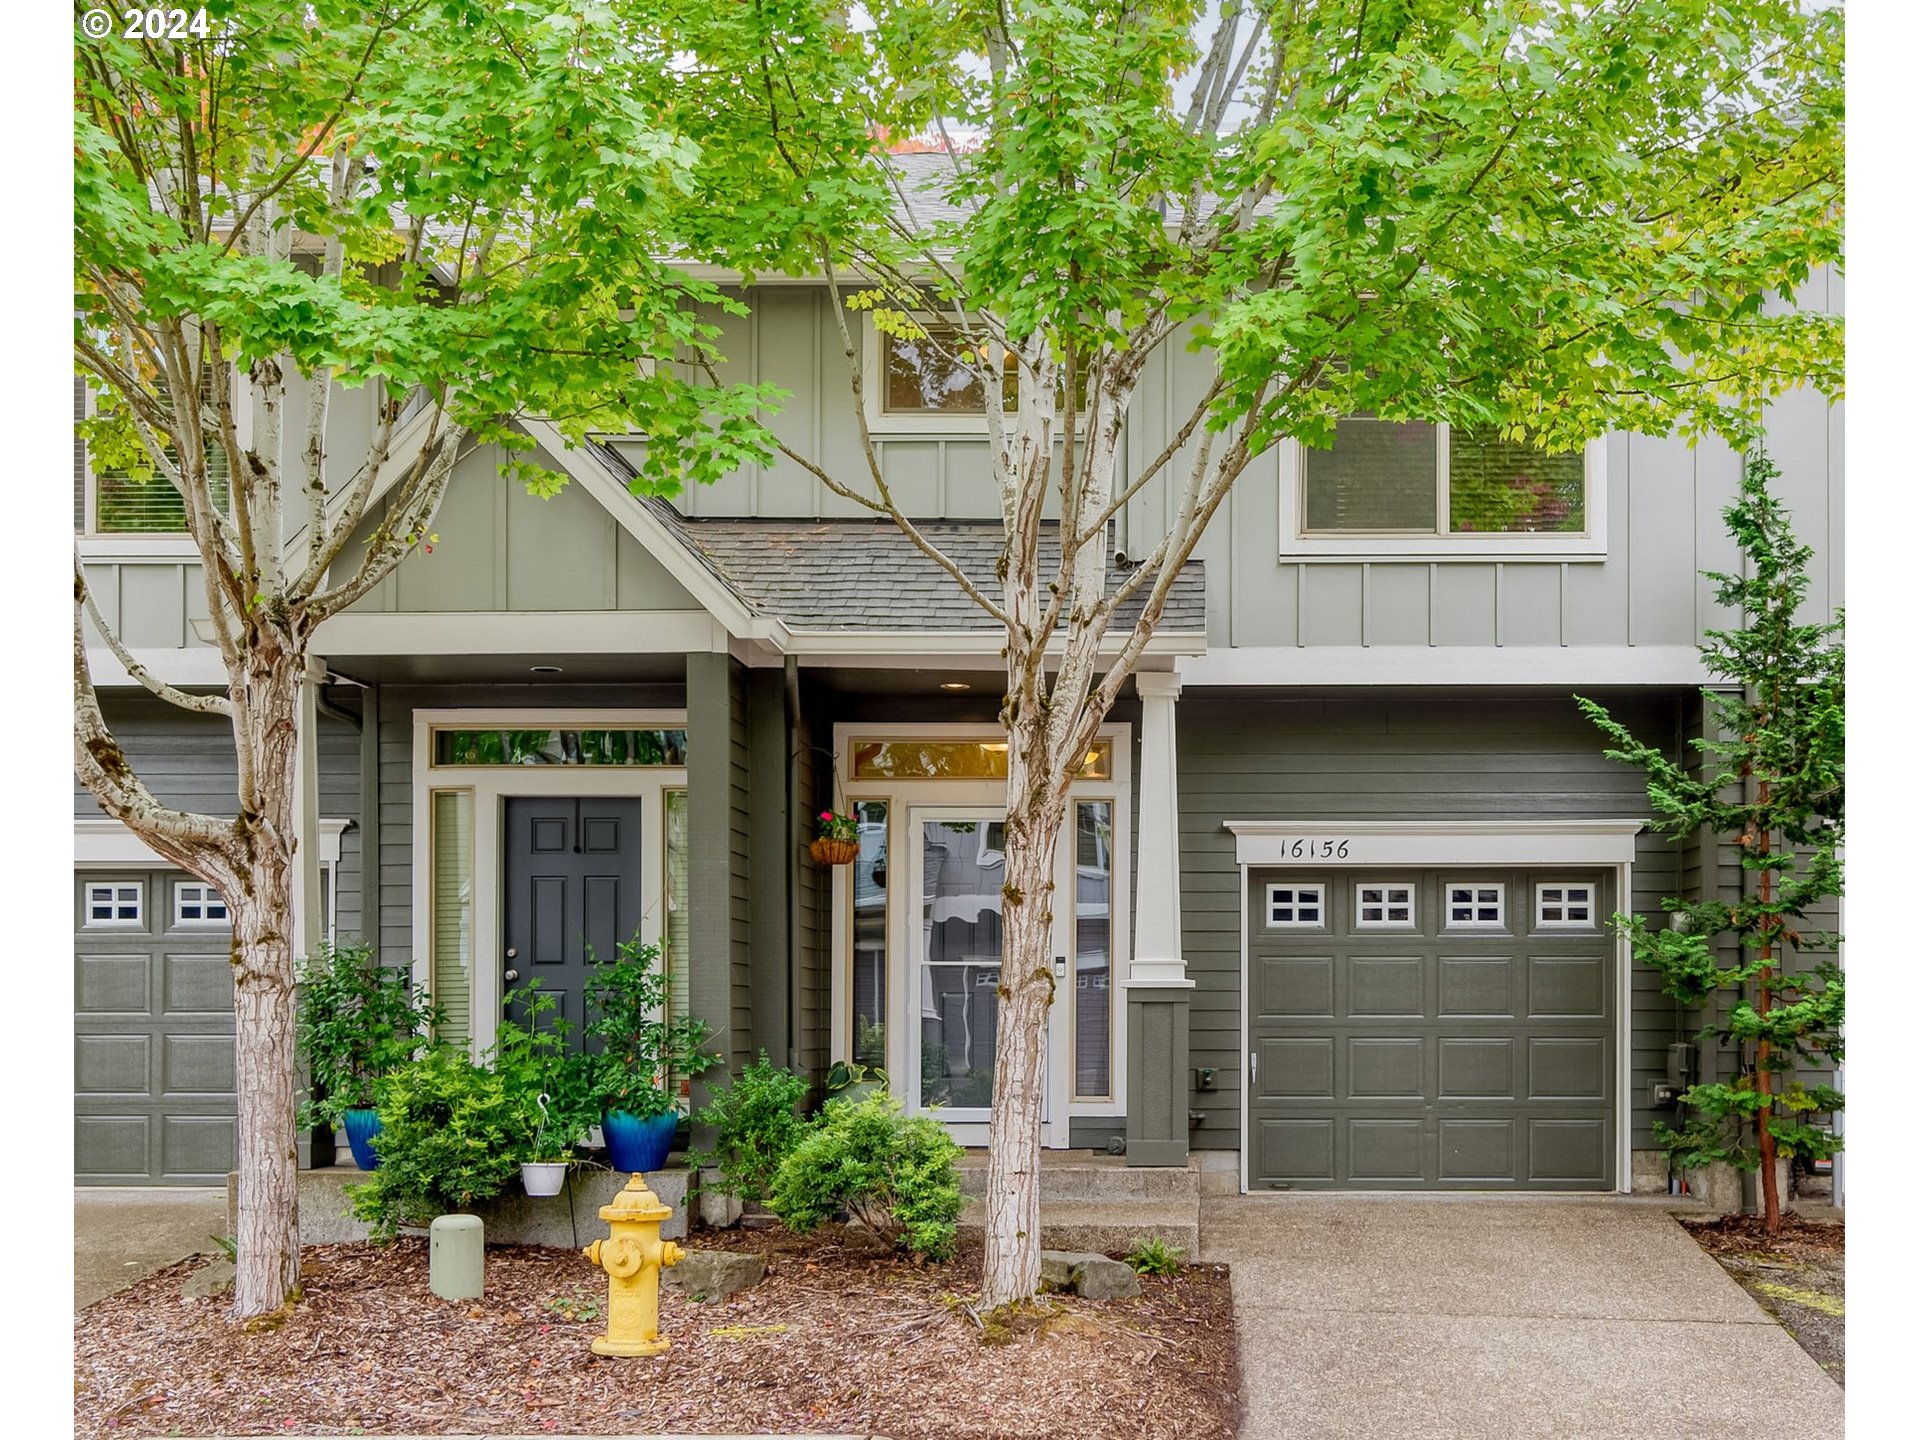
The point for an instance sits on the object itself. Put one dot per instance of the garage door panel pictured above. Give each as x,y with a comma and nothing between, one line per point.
112,1064
1296,1151
1386,1149
1567,1150
1480,1150
1467,1057
1477,986
112,985
1386,1068
1300,1069
111,1149
198,985
1477,1069
1294,985
1566,986
197,1148
1387,986
1567,1069
197,1065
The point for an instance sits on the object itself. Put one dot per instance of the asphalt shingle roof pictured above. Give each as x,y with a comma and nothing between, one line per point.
866,575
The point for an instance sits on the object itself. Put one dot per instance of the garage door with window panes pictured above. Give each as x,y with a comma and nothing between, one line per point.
1430,1030
153,1030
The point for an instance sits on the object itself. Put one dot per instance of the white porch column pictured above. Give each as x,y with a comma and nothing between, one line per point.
309,925
1157,957
1157,984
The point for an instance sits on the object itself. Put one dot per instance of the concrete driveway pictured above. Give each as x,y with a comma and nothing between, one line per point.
120,1236
1390,1316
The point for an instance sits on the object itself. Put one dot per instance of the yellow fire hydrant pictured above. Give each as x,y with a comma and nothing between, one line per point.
633,1256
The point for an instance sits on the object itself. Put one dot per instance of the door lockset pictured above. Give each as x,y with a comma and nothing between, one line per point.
512,975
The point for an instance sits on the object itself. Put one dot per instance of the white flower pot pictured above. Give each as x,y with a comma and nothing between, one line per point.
541,1179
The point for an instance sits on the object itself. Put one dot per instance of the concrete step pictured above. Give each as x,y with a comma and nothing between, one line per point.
1106,1225
1076,1177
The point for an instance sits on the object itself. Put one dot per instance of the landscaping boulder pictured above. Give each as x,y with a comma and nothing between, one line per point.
1091,1276
213,1278
709,1274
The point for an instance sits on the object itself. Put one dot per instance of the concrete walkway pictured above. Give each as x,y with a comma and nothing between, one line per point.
120,1236
1394,1316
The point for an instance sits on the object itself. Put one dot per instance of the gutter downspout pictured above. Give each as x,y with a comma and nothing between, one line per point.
794,873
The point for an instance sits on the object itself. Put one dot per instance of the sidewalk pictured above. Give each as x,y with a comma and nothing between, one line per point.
124,1235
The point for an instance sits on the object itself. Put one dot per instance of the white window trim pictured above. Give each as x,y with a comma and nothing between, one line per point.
208,894
1386,902
903,796
1592,922
138,921
491,785
1296,886
1447,887
100,844
882,421
1294,544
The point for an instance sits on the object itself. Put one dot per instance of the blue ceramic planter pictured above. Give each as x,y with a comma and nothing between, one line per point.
362,1126
637,1142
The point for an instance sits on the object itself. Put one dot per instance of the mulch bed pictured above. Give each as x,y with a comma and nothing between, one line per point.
832,1340
1799,1277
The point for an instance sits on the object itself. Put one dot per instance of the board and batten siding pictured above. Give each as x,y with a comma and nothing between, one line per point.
187,760
1378,759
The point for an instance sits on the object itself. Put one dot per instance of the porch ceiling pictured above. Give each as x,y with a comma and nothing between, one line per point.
510,669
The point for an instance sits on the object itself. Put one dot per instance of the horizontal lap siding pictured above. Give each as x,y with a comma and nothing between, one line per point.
187,760
1391,759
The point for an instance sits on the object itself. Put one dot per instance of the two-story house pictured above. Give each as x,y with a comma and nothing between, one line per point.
1340,868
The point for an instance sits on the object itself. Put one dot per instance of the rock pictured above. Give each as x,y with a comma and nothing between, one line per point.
1083,1273
709,1274
1104,1279
213,1278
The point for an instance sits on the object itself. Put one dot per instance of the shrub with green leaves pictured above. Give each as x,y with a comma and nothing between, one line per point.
450,1135
757,1124
1154,1256
358,1020
893,1173
644,1050
535,1062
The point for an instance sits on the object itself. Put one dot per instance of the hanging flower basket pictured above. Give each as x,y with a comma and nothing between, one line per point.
836,838
835,852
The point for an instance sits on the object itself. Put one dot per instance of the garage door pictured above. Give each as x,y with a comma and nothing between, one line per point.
153,1031
1430,1030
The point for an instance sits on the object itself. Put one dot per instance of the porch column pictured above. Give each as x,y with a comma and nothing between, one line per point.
309,922
1157,983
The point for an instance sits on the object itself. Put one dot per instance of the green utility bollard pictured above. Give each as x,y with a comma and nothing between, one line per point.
457,1257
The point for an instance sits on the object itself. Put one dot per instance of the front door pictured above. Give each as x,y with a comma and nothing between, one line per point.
954,944
572,887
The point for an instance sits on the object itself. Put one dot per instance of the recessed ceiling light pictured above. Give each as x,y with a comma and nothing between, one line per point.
955,685
545,669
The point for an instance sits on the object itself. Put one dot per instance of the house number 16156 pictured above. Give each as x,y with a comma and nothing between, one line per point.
1315,849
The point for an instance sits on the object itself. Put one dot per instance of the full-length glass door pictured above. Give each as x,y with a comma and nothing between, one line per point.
955,925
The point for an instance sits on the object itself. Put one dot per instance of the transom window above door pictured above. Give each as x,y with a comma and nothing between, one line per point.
559,747
1413,487
955,760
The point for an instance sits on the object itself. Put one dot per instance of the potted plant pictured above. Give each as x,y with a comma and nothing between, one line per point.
550,1086
358,1022
836,838
850,1080
642,1053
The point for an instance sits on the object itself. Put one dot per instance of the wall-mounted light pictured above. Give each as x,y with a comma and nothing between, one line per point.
544,669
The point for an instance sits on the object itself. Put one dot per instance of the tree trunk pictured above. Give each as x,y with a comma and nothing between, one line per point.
1763,1052
267,1267
1011,1267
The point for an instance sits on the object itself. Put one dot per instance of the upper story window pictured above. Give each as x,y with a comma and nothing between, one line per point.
113,501
1387,488
939,373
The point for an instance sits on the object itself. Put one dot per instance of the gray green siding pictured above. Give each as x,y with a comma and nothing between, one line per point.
1393,759
187,760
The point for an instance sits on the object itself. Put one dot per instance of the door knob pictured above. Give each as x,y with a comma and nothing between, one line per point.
512,975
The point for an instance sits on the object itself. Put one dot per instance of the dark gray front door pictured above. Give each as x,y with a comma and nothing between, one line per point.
1430,1029
572,883
153,1030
